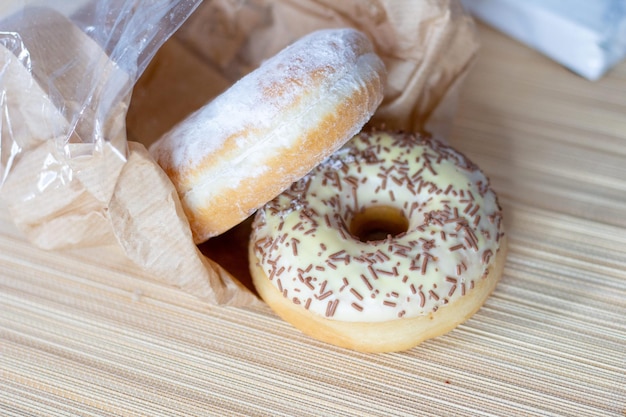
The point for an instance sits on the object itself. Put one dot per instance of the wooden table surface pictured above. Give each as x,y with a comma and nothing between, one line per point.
84,333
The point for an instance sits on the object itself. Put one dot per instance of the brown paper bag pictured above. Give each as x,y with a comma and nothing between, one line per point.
57,196
427,47
67,190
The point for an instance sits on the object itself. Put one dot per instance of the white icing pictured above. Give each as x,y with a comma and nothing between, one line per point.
295,244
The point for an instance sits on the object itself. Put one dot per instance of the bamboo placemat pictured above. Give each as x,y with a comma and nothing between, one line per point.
86,334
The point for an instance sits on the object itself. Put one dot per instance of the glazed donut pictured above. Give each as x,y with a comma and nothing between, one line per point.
271,127
394,239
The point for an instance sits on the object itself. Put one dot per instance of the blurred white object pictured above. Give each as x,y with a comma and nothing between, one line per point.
586,36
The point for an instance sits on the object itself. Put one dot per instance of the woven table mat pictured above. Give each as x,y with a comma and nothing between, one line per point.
84,333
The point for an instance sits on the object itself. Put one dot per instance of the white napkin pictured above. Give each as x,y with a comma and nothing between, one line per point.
586,36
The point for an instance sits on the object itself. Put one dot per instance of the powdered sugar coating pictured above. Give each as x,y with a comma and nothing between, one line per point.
270,128
254,102
303,243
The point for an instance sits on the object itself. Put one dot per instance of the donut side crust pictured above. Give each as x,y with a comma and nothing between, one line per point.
257,144
230,206
388,336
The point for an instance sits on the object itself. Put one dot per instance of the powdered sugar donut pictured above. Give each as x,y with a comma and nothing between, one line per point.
394,239
271,127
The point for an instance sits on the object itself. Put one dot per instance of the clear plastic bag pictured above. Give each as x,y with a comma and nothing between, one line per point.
68,175
67,70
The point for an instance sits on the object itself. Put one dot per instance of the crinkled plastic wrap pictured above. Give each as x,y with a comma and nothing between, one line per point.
69,174
69,177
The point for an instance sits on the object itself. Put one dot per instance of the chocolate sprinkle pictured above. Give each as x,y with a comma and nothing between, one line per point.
454,230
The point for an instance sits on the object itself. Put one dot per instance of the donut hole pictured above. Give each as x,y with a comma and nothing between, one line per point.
378,223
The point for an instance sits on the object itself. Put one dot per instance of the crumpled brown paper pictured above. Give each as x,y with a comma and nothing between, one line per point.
426,45
80,192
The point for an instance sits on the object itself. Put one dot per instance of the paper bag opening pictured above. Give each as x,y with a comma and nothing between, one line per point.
79,110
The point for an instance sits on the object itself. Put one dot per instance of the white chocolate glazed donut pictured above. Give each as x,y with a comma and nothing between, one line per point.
392,240
271,127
